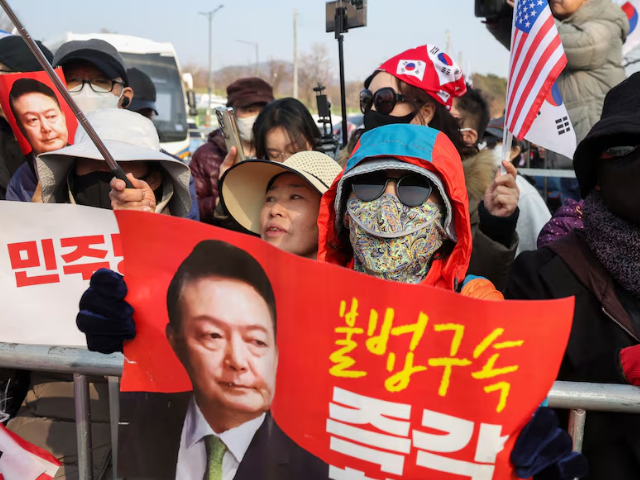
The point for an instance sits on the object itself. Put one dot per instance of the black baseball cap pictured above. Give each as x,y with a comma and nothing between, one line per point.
102,54
16,56
144,91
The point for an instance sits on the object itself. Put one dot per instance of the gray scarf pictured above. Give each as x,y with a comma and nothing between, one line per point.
616,242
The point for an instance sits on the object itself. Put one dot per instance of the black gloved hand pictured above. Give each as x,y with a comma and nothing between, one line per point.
105,317
545,452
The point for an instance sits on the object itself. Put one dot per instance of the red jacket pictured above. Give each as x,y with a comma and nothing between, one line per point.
205,167
432,150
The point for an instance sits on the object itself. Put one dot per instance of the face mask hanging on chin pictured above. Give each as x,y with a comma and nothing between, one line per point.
90,101
374,119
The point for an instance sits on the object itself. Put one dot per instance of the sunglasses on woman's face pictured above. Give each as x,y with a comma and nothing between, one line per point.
384,100
412,190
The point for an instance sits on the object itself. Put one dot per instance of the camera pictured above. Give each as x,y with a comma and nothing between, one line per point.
492,8
328,143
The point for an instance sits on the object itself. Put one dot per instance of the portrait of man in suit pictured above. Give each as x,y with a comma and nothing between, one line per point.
222,327
38,115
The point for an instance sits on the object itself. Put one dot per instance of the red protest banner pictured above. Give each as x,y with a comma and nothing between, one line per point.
386,379
40,118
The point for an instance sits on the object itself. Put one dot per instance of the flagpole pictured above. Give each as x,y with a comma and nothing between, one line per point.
506,149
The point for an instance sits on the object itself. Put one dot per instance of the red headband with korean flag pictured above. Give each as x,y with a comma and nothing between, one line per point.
430,69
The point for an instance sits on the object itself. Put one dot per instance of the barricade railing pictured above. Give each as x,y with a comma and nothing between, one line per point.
576,397
543,172
79,362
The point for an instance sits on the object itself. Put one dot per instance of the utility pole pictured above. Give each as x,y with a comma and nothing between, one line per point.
209,16
295,53
460,63
448,47
256,45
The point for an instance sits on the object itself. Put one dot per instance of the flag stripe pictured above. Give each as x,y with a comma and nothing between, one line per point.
531,58
528,43
537,58
518,46
533,104
534,72
520,87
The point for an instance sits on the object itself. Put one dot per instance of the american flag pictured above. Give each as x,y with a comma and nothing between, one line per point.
537,59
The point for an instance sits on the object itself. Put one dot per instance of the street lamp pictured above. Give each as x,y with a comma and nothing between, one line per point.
210,15
257,47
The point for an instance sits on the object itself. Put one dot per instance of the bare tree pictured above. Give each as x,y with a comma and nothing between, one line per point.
353,95
315,67
279,75
227,75
199,74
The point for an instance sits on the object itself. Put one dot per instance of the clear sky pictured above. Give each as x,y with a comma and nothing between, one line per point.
393,26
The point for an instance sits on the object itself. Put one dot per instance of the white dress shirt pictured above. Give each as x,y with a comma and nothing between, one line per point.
192,456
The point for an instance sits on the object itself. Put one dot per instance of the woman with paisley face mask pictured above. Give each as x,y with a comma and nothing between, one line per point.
399,212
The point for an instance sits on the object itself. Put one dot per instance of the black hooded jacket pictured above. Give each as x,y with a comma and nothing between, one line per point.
606,320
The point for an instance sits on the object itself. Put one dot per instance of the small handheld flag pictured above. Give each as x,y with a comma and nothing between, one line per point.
537,59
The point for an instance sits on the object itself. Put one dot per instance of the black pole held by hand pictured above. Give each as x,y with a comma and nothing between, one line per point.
341,16
82,119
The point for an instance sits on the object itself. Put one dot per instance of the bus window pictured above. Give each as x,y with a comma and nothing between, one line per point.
171,121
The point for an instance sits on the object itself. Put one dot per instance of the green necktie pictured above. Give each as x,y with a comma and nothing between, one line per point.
215,451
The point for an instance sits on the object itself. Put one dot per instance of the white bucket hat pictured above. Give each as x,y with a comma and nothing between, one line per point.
244,186
129,137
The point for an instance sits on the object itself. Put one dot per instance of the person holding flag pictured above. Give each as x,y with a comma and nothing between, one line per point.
599,265
591,34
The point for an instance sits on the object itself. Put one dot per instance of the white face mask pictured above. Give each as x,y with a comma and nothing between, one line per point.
90,101
245,128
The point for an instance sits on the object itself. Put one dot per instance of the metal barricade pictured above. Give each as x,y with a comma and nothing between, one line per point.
577,397
543,172
80,363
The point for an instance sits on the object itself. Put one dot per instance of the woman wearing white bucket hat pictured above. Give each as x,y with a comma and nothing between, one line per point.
280,201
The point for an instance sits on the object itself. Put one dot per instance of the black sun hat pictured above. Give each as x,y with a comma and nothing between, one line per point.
619,124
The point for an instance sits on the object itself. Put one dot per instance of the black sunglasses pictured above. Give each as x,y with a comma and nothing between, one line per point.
620,151
384,100
412,190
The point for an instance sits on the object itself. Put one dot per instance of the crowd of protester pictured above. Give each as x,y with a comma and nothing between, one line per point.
417,196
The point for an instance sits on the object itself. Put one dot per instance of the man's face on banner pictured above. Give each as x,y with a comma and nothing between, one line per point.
227,345
42,122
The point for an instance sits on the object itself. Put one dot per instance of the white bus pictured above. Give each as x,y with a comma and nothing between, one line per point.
160,61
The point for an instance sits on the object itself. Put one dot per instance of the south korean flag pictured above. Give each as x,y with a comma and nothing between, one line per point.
552,128
413,68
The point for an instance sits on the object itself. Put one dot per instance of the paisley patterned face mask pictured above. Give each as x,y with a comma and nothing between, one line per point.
393,241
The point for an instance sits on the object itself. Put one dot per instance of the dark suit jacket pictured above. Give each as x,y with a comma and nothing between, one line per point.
149,442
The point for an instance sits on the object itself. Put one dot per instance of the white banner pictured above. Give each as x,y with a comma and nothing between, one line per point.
47,256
